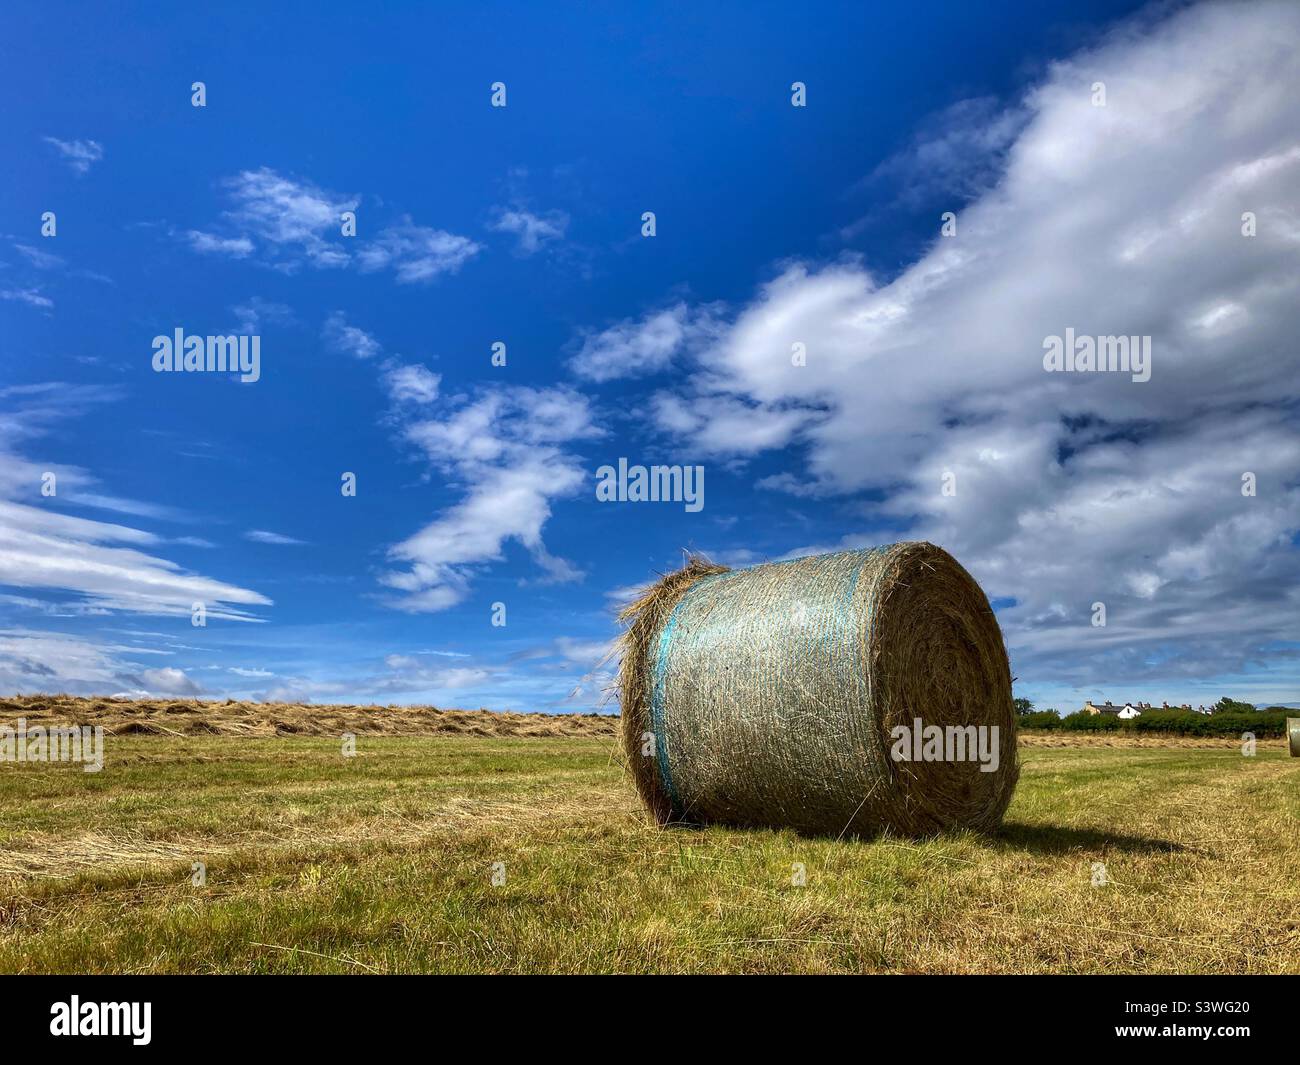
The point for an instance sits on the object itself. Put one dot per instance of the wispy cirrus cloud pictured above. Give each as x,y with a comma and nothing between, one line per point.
100,566
31,296
78,154
264,536
416,253
210,243
637,347
39,258
294,220
347,339
290,223
255,312
408,673
532,231
960,154
107,566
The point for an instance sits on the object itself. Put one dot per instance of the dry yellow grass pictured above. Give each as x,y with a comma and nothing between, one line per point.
197,717
383,862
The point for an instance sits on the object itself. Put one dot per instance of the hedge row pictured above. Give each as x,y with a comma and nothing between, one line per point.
1263,723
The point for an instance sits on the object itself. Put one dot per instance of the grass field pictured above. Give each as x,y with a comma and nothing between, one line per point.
384,863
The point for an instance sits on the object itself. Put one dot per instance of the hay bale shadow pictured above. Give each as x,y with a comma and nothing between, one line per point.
1035,839
1061,839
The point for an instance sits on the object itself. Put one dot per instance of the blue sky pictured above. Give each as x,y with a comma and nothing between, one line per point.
775,225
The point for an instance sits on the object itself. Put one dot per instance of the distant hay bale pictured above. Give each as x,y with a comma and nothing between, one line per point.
768,696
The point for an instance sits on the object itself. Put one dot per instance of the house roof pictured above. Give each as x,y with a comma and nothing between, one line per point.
1109,707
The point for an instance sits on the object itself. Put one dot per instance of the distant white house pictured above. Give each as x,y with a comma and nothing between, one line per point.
1125,711
1128,711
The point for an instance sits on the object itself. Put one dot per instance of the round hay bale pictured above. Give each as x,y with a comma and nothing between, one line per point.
1293,735
773,696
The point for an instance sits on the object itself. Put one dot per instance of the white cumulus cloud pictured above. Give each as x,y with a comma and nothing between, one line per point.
1070,488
